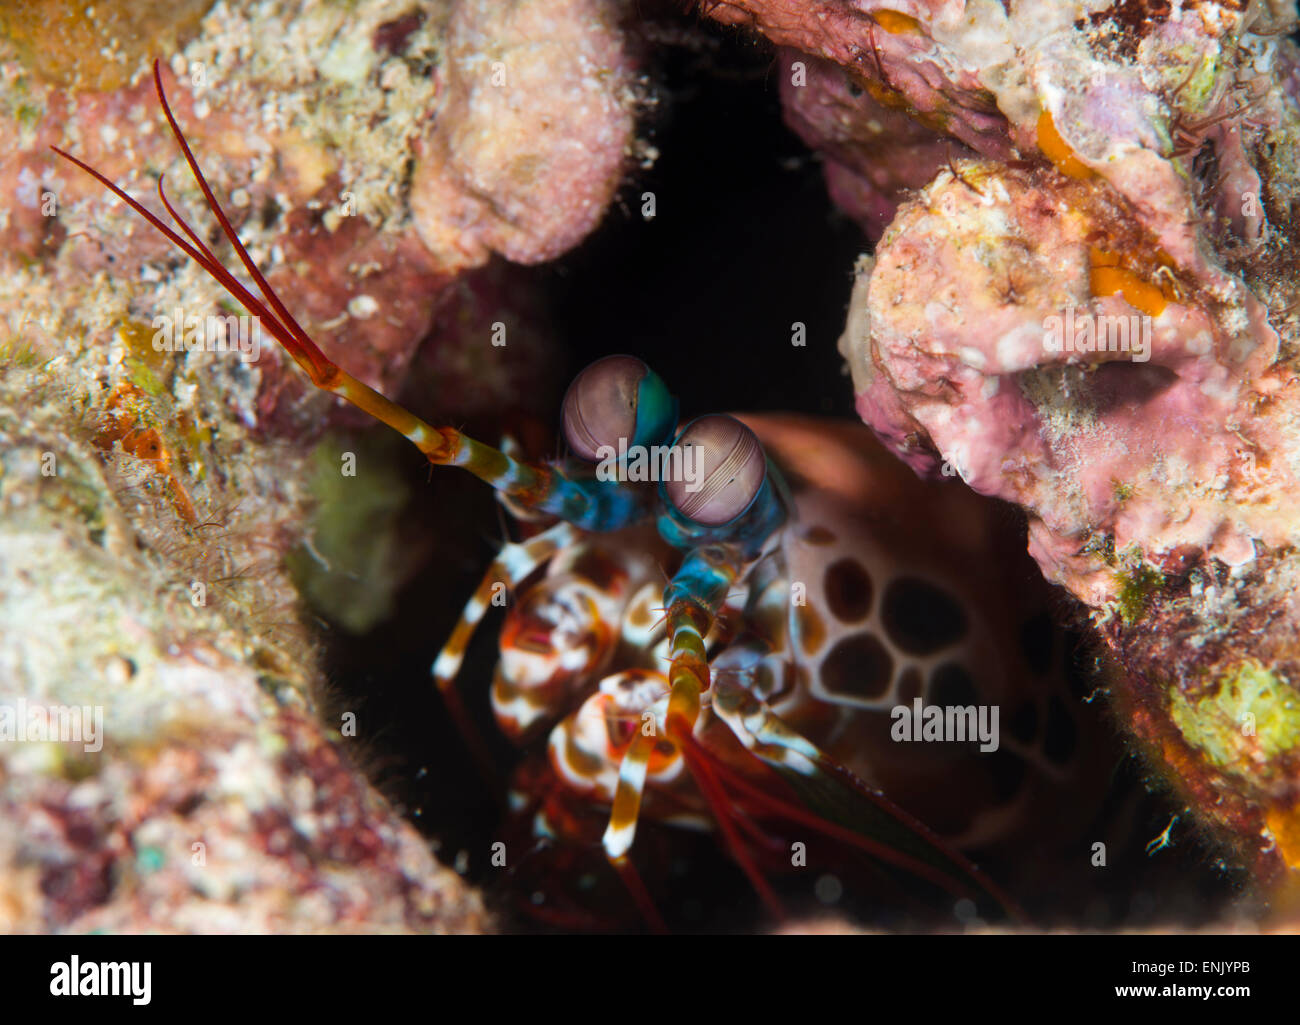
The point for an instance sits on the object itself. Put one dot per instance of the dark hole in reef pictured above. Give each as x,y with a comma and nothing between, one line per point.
1036,642
1112,386
1060,739
744,244
270,212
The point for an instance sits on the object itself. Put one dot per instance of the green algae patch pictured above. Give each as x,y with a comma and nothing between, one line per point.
1136,585
1252,713
353,561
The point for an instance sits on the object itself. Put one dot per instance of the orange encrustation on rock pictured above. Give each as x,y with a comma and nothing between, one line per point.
896,22
1058,151
1108,276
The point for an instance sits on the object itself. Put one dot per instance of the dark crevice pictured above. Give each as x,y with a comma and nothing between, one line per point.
745,243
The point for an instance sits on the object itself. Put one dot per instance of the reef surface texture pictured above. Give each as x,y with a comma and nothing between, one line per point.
1084,300
373,156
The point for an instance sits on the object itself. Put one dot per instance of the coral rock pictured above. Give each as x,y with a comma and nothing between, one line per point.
1095,316
535,119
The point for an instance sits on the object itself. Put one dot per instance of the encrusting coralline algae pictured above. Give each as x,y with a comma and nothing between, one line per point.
1124,172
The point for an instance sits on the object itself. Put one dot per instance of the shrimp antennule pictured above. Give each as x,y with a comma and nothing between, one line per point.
535,486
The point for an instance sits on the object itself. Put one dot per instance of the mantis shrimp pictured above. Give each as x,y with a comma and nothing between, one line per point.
760,682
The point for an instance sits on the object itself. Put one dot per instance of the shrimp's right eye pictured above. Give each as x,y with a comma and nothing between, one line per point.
729,470
617,399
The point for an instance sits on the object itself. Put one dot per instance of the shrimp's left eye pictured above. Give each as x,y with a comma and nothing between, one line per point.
725,467
617,398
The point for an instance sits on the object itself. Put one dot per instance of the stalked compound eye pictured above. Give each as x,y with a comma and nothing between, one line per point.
723,466
617,399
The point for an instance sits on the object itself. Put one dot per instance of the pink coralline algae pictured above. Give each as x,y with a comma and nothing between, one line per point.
873,153
534,127
1090,310
371,163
